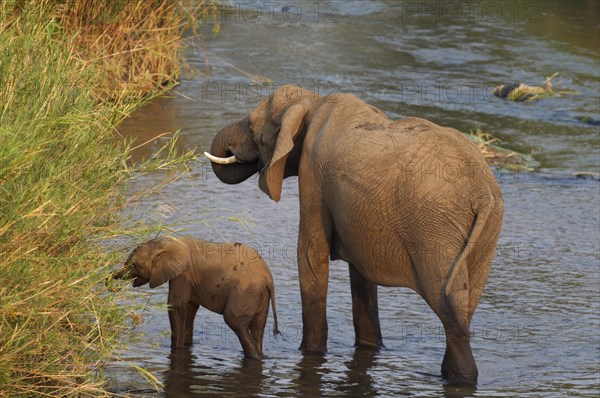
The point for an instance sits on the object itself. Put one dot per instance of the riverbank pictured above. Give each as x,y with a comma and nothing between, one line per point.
69,74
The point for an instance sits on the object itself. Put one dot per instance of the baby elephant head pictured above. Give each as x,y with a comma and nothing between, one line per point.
156,261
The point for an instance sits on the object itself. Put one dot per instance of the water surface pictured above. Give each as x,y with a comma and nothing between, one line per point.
536,332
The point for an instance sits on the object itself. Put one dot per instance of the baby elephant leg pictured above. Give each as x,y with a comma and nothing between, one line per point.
257,326
181,318
240,326
192,309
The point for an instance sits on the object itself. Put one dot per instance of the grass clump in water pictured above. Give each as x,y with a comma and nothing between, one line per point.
499,157
523,92
62,179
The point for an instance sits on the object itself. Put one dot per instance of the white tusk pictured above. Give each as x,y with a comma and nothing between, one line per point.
218,160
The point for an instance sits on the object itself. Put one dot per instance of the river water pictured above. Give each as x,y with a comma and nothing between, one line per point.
536,332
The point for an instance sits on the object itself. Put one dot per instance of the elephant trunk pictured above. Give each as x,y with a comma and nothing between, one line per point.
238,153
121,273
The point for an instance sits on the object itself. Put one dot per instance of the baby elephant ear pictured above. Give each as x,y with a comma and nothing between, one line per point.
271,178
169,262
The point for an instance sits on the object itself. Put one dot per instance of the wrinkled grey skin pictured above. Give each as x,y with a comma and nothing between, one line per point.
406,203
229,279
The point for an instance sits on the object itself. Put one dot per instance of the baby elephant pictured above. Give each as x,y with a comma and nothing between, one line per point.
229,279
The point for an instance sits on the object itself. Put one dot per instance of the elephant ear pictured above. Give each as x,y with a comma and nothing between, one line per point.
169,263
271,177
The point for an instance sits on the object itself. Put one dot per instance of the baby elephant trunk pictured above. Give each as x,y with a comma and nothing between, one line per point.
121,273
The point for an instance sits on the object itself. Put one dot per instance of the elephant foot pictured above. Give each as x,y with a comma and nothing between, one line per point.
253,355
314,338
366,335
458,366
251,351
179,343
309,348
313,345
369,343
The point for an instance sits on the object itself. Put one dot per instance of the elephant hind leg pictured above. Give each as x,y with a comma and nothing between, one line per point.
240,326
365,310
257,326
459,365
453,310
462,293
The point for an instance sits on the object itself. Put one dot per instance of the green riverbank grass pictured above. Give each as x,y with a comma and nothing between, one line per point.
62,184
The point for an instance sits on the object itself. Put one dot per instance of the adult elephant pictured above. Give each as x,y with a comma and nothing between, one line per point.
405,203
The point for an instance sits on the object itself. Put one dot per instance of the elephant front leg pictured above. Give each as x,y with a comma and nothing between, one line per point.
178,321
365,310
192,309
181,318
181,312
313,267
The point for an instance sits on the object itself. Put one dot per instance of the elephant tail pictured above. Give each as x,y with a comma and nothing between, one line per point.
457,287
271,288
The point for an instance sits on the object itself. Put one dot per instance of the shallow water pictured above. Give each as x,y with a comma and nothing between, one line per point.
537,328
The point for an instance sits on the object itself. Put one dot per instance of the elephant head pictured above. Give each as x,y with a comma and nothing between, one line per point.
235,142
156,261
267,141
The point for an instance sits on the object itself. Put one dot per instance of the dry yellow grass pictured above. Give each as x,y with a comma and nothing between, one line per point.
137,44
499,157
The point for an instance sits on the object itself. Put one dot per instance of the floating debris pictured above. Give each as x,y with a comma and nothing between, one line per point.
525,92
500,157
588,120
587,175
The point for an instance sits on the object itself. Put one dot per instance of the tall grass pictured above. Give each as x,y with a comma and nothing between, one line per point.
136,43
62,183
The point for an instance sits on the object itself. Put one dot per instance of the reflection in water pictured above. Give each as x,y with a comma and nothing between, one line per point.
451,391
186,377
359,380
148,130
359,383
313,370
310,371
181,373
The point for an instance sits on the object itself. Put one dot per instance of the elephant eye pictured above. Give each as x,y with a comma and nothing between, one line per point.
251,125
